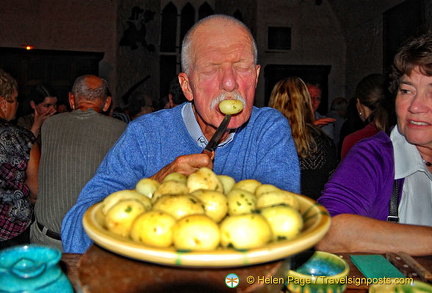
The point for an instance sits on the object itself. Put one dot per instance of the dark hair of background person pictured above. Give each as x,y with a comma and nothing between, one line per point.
371,92
139,101
39,92
36,93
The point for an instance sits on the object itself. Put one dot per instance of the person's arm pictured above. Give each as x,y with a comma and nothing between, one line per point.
39,119
352,233
32,172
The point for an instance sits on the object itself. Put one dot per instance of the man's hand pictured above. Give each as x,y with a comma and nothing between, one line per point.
323,121
186,165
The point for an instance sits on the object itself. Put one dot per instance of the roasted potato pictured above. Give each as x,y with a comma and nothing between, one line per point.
170,187
247,184
204,178
227,183
120,216
245,231
115,197
153,228
285,222
147,187
196,232
215,203
176,176
179,205
240,202
231,107
276,198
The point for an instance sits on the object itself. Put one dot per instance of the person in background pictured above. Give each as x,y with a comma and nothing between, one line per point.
361,196
43,101
175,95
74,145
62,106
373,109
19,160
139,104
338,111
219,61
316,151
351,124
326,123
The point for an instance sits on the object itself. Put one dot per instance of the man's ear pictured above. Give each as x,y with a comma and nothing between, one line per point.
258,69
107,104
185,86
72,101
32,105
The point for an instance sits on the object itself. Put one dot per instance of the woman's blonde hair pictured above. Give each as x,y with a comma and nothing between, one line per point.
291,97
7,86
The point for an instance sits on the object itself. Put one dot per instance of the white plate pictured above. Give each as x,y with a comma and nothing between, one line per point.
316,224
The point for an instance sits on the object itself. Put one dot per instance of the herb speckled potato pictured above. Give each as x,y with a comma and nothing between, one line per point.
196,232
153,228
119,218
241,202
245,231
231,107
179,205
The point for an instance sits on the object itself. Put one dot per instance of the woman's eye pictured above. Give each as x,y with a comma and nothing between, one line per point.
404,91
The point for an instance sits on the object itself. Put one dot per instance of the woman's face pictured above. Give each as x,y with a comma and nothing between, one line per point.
414,108
50,103
9,109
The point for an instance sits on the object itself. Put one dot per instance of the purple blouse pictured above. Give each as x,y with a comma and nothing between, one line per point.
363,182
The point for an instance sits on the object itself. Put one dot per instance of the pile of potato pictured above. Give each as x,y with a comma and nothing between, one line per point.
203,212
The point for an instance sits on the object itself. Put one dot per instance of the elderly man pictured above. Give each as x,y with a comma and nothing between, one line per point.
74,145
219,62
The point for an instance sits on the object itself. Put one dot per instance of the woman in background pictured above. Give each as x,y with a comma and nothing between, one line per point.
316,151
43,101
372,103
19,161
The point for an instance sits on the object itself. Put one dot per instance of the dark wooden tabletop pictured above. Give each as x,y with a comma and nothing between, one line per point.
99,270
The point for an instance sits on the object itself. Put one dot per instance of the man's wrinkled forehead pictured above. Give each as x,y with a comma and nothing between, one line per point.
220,34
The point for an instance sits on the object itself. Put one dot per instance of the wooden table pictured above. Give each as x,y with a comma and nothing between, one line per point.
85,270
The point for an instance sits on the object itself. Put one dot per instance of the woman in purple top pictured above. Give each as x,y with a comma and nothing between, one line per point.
358,194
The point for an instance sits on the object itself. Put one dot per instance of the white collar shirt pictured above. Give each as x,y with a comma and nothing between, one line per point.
415,206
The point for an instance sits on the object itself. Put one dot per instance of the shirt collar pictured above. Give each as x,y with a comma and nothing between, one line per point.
195,130
406,156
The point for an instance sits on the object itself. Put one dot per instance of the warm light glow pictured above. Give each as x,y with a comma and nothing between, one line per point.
27,47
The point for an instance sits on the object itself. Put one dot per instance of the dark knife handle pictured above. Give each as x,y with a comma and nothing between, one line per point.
211,154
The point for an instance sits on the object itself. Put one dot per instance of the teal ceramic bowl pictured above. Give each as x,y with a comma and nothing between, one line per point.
414,287
323,272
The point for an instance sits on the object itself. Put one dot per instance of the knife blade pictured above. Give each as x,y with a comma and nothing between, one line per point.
212,144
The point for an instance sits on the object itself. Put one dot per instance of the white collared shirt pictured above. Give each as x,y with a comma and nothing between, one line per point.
416,202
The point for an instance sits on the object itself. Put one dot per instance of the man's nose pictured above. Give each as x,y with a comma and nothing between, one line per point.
229,82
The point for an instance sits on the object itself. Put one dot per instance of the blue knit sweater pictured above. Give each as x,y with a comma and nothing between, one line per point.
263,149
